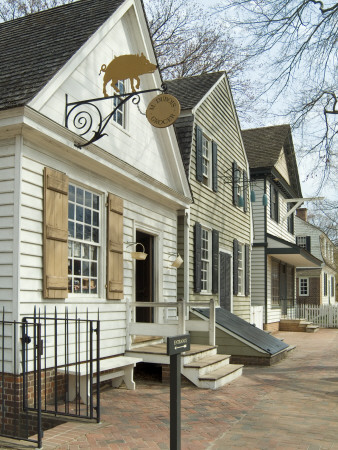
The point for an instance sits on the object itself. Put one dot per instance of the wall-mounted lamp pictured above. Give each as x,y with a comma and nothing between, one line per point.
178,261
265,200
141,256
235,176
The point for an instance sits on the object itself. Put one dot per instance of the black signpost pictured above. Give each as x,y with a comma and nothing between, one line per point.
175,346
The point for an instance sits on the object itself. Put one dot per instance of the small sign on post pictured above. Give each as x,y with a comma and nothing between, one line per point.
175,346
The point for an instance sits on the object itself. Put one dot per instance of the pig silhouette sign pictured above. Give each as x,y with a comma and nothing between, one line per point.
126,67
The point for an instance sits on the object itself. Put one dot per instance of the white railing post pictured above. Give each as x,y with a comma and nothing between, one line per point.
128,321
212,327
181,316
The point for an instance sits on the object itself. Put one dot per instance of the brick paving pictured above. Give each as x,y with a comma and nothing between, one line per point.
291,405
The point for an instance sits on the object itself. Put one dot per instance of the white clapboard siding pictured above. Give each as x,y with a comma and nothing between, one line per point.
216,118
139,213
258,275
7,188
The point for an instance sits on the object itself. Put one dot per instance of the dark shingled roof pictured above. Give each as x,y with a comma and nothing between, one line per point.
263,145
35,47
246,331
184,128
189,91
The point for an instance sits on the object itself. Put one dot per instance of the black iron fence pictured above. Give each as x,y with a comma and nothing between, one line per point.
50,367
16,420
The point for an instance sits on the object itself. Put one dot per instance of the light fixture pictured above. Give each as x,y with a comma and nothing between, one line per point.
178,261
252,196
140,256
241,201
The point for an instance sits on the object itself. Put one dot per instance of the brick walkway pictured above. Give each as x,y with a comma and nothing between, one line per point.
292,405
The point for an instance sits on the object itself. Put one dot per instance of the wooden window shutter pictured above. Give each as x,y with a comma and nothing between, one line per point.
234,184
245,191
235,267
247,269
198,258
55,234
277,206
115,248
215,252
199,159
225,281
214,167
272,193
308,243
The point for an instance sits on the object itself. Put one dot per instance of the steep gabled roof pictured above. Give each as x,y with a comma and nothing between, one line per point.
263,147
35,47
190,91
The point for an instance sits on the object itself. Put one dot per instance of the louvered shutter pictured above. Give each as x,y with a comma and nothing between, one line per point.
55,234
214,167
115,248
235,267
198,258
215,252
234,184
272,210
224,292
308,243
245,191
247,269
199,159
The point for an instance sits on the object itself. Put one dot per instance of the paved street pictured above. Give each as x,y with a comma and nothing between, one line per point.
292,405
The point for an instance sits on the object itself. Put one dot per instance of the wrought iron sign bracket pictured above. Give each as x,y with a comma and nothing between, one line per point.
83,119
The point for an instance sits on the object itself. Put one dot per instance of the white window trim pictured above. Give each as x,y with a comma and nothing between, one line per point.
303,244
207,180
307,287
241,269
208,260
100,252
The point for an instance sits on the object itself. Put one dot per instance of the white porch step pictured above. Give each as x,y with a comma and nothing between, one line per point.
208,370
312,328
220,377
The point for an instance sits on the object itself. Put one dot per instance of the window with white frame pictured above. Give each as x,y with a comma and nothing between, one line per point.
239,185
303,287
206,259
241,273
206,160
119,114
301,241
83,240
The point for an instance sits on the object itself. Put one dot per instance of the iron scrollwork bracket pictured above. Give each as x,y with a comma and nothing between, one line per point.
83,119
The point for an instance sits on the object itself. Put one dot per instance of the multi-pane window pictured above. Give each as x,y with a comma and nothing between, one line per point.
275,283
206,156
205,256
301,241
119,114
83,240
241,279
303,286
290,219
274,213
239,185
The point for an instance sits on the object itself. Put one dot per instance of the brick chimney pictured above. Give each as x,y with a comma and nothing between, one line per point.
302,213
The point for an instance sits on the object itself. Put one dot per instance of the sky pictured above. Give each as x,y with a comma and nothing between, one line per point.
305,165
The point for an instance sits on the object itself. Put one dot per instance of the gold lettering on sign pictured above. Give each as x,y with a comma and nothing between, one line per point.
163,110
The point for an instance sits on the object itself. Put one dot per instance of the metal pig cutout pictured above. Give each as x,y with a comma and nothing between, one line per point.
124,67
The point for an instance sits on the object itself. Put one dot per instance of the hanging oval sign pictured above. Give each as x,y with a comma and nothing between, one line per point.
163,110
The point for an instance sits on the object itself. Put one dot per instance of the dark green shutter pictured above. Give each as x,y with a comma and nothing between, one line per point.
272,211
198,258
199,159
247,269
225,281
308,243
234,184
215,251
214,166
245,191
277,206
235,268
325,284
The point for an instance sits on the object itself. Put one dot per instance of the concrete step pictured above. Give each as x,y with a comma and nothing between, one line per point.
220,377
312,328
198,354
